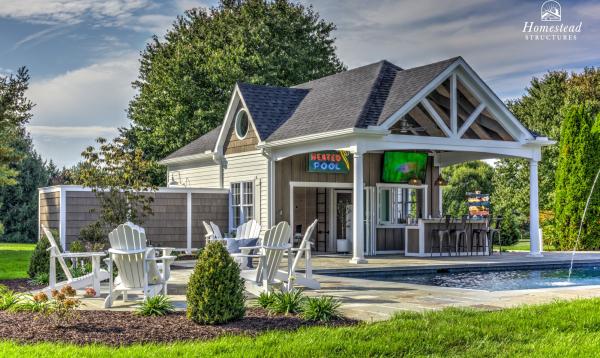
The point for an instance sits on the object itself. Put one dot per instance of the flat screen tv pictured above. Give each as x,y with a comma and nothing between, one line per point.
400,167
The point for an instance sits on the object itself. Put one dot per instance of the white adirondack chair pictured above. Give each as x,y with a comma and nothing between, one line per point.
216,233
248,230
274,243
139,269
90,280
293,276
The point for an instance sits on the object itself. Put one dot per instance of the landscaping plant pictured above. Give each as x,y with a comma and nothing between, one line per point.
40,279
322,309
63,305
40,260
287,302
38,303
8,299
90,292
215,292
265,300
158,305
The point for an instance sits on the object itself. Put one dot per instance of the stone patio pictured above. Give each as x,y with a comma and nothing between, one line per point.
371,300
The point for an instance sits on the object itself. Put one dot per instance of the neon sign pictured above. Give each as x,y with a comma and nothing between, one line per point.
330,161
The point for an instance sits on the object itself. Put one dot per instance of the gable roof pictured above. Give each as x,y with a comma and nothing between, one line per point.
270,106
358,98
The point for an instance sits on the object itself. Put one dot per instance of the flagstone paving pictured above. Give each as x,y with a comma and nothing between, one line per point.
371,299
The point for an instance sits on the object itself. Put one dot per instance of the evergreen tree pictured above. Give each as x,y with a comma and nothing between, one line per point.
185,80
579,161
19,202
15,112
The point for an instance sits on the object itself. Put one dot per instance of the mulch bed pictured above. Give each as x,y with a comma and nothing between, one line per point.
20,285
125,328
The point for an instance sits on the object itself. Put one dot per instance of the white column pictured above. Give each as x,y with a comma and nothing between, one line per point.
188,249
534,211
358,254
62,218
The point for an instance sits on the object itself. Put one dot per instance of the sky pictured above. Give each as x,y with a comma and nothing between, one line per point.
83,54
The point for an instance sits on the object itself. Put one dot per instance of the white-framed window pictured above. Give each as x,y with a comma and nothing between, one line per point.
242,124
242,203
397,203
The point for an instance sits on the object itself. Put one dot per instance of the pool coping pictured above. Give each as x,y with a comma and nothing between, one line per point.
463,267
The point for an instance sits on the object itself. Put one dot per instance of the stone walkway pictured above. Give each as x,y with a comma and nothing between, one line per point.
371,300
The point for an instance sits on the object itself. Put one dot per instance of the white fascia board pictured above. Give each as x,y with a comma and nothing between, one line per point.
407,142
371,131
233,102
540,141
207,155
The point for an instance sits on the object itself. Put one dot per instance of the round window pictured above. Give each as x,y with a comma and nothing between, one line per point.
241,124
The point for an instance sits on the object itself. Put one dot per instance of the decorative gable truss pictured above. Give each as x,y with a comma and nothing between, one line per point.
457,104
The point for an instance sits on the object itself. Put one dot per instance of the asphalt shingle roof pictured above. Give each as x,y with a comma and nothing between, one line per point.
198,146
270,106
357,98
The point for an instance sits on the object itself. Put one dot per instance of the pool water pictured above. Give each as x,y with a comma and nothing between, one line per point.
499,280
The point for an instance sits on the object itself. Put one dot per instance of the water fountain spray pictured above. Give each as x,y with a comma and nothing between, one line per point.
581,224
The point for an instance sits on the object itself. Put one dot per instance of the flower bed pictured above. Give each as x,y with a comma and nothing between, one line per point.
125,328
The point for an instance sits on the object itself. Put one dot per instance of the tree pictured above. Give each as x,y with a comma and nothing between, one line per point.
462,179
185,81
119,175
19,202
22,170
539,110
15,112
511,198
578,164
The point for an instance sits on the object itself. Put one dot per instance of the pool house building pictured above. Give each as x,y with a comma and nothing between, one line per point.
360,151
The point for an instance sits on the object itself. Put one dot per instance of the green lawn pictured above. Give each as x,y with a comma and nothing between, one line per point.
558,329
521,245
14,260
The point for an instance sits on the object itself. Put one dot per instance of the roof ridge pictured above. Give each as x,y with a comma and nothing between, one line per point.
341,73
267,86
451,59
379,91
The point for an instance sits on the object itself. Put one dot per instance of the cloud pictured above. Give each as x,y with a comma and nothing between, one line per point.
95,95
486,33
183,5
42,35
74,108
60,11
86,132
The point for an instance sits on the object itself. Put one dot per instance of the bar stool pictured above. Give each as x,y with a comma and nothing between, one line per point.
493,232
479,237
442,233
460,235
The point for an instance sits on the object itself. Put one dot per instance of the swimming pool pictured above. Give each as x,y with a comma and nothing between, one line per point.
493,279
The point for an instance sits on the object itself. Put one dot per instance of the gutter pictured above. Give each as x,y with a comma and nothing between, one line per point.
324,135
191,158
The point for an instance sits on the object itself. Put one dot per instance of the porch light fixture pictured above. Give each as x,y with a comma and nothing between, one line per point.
173,182
414,181
440,181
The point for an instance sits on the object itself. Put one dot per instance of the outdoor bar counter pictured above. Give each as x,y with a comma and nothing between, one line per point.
419,237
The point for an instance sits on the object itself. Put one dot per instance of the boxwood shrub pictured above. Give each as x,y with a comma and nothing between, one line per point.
215,293
40,259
